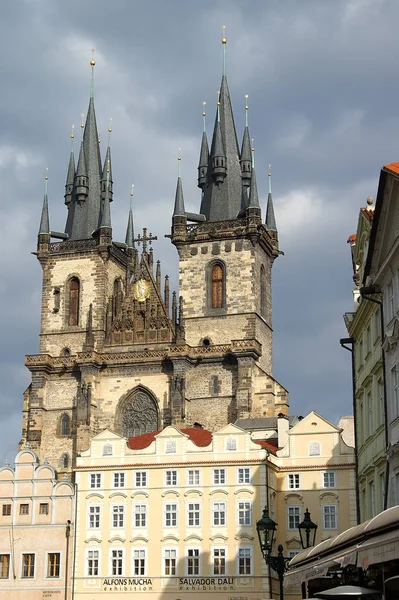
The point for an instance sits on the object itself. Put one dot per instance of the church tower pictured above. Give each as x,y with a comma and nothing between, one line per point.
226,255
117,349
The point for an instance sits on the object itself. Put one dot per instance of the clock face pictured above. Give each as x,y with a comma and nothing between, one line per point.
141,290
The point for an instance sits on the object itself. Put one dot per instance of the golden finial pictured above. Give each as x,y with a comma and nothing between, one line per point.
132,192
218,93
110,125
99,136
178,154
246,101
46,175
270,171
253,143
82,124
92,62
108,169
224,39
203,109
178,162
72,132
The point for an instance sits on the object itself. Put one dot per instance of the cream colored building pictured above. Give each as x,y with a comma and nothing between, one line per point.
35,552
171,516
315,469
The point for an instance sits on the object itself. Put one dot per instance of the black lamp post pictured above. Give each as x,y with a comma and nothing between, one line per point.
307,531
266,529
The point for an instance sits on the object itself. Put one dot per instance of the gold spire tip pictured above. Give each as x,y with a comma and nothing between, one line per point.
132,191
246,101
46,175
72,132
270,171
82,122
92,62
178,155
224,39
99,136
203,109
218,93
108,169
110,125
253,142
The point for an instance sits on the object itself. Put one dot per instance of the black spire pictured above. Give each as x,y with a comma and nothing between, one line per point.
245,161
44,220
84,214
270,222
179,210
223,191
70,180
129,240
203,162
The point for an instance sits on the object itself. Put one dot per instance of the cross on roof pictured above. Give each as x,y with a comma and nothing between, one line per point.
143,239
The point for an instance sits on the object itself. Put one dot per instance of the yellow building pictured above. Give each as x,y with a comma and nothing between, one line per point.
171,515
36,532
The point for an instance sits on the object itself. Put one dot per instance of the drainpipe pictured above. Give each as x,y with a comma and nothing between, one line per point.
349,344
67,536
367,293
267,506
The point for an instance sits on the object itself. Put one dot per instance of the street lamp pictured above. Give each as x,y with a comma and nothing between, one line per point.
307,531
266,529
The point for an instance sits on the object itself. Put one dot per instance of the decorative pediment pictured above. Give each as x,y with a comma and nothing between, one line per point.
219,491
139,538
120,494
331,494
193,536
243,491
170,538
170,493
116,539
193,492
95,495
244,536
140,493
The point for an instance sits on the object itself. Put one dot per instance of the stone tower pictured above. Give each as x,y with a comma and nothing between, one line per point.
115,350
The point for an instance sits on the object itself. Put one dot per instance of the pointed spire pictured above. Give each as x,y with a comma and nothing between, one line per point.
129,240
219,167
253,191
222,199
107,167
106,213
246,158
70,180
179,210
204,154
270,218
44,221
81,180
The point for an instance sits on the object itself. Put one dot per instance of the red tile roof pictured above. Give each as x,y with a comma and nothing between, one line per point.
351,238
271,445
394,167
200,437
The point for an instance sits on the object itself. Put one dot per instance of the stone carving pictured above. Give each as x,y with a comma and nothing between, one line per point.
139,415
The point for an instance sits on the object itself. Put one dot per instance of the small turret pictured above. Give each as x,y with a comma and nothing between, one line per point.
81,178
270,222
44,228
129,240
204,155
70,180
107,168
245,157
219,160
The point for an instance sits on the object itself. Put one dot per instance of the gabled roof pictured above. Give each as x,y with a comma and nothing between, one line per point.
200,437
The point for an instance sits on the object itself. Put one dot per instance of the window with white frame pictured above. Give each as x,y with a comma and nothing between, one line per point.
244,561
219,561
92,562
117,562
219,513
244,513
193,514
243,475
118,515
231,444
329,479
107,450
219,476
94,513
170,478
330,517
294,514
139,561
193,561
53,564
314,448
170,514
119,479
95,480
140,515
193,477
294,481
170,561
394,392
28,566
140,479
4,566
170,447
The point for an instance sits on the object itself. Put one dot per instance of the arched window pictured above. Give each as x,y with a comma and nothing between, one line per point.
64,461
74,300
65,425
138,415
263,291
217,286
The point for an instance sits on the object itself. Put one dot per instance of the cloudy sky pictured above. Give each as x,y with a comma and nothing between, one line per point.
323,84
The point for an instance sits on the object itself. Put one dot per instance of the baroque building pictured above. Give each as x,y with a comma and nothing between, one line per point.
117,349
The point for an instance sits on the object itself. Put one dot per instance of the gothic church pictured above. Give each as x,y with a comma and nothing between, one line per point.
117,349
